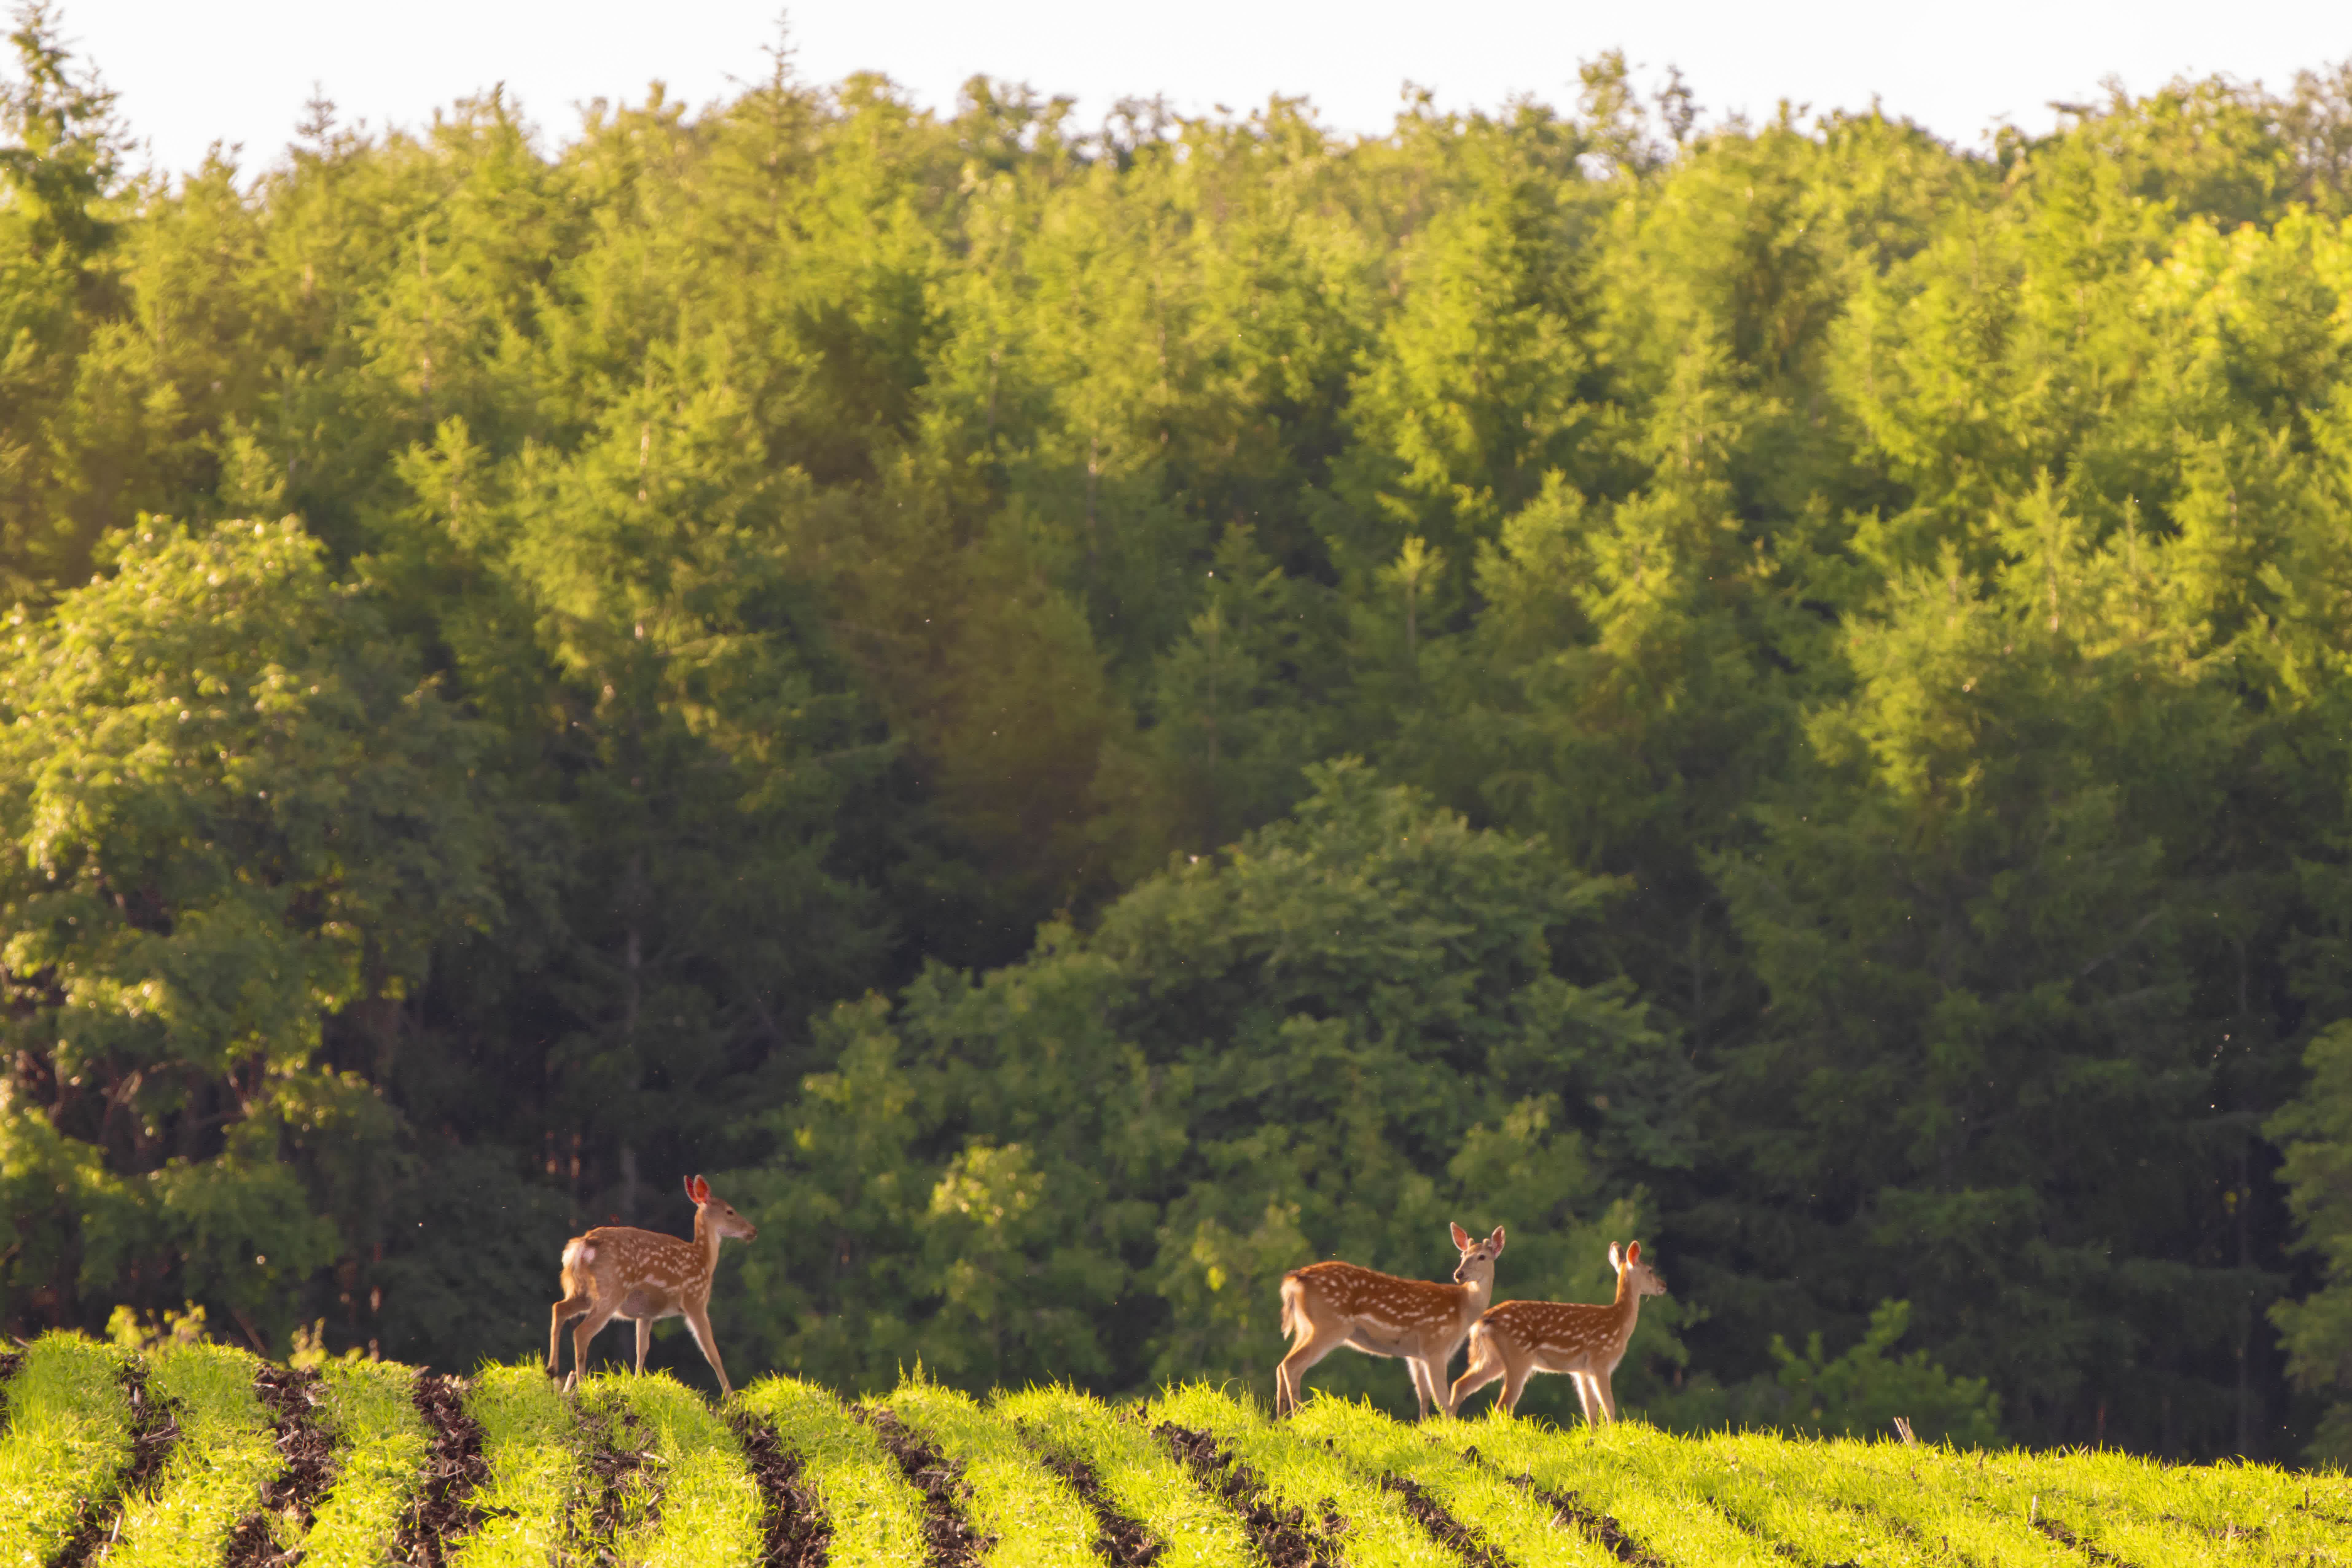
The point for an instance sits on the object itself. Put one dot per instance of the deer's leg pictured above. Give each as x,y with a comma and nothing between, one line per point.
1290,1377
1605,1397
1515,1383
589,1327
1584,1397
644,1339
1485,1366
565,1310
698,1319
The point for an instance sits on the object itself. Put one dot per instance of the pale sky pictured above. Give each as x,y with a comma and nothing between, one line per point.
192,71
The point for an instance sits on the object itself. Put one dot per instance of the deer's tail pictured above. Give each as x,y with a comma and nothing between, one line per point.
1290,1290
577,1252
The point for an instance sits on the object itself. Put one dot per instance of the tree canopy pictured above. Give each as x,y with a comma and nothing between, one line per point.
1083,717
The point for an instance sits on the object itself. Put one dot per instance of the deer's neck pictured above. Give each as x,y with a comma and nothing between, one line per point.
705,1241
1475,1294
1626,1309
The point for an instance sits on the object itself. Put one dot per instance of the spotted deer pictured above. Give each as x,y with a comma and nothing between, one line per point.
1518,1338
618,1271
1327,1305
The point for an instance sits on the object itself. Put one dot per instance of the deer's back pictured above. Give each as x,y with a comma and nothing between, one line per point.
1559,1331
1352,1290
639,1269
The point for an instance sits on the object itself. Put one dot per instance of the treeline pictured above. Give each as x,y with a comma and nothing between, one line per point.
1080,718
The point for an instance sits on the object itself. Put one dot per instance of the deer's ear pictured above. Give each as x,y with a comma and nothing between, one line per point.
1461,1240
1632,1252
697,1190
1616,1257
1497,1239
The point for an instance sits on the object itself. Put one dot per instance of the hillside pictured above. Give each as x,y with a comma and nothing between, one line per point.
196,1453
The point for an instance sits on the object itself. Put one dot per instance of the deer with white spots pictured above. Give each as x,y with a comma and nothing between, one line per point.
618,1271
1518,1338
1327,1305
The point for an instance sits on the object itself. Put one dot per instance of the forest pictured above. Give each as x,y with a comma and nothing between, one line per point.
1082,716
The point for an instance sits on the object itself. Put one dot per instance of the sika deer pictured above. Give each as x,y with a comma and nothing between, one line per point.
616,1271
1518,1338
1327,1305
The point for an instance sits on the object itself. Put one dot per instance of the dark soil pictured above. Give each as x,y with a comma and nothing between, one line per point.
9,1362
798,1535
1443,1527
442,1512
154,1432
1569,1509
1119,1540
290,1397
629,1489
947,1531
2067,1538
1281,1536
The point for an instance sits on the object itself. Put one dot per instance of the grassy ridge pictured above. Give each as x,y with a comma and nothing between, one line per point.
1009,1473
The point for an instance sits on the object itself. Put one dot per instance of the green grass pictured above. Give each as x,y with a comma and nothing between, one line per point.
711,1509
1134,1473
876,1517
1507,1517
531,1442
381,1446
68,1438
1743,1501
1038,1521
1662,1512
1306,1475
213,1478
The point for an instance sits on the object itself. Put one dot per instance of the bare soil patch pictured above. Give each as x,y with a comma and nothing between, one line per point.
1569,1509
442,1512
292,1398
1442,1527
948,1530
1119,1540
796,1534
1281,1536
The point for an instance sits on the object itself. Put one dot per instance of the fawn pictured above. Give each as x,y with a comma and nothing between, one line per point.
618,1271
1327,1305
1518,1338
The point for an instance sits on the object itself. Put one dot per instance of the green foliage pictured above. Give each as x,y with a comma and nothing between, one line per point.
822,639
1098,1163
237,815
1862,1390
2315,1132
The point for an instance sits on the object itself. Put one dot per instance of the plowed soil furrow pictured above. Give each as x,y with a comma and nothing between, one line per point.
154,1432
1442,1527
948,1530
1572,1511
2073,1542
795,1533
290,1396
629,1488
1120,1541
1281,1536
443,1514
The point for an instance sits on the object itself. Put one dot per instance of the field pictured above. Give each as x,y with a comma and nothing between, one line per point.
199,1454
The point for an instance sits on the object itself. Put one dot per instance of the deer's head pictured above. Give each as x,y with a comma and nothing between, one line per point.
1478,1257
1633,1273
719,1213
